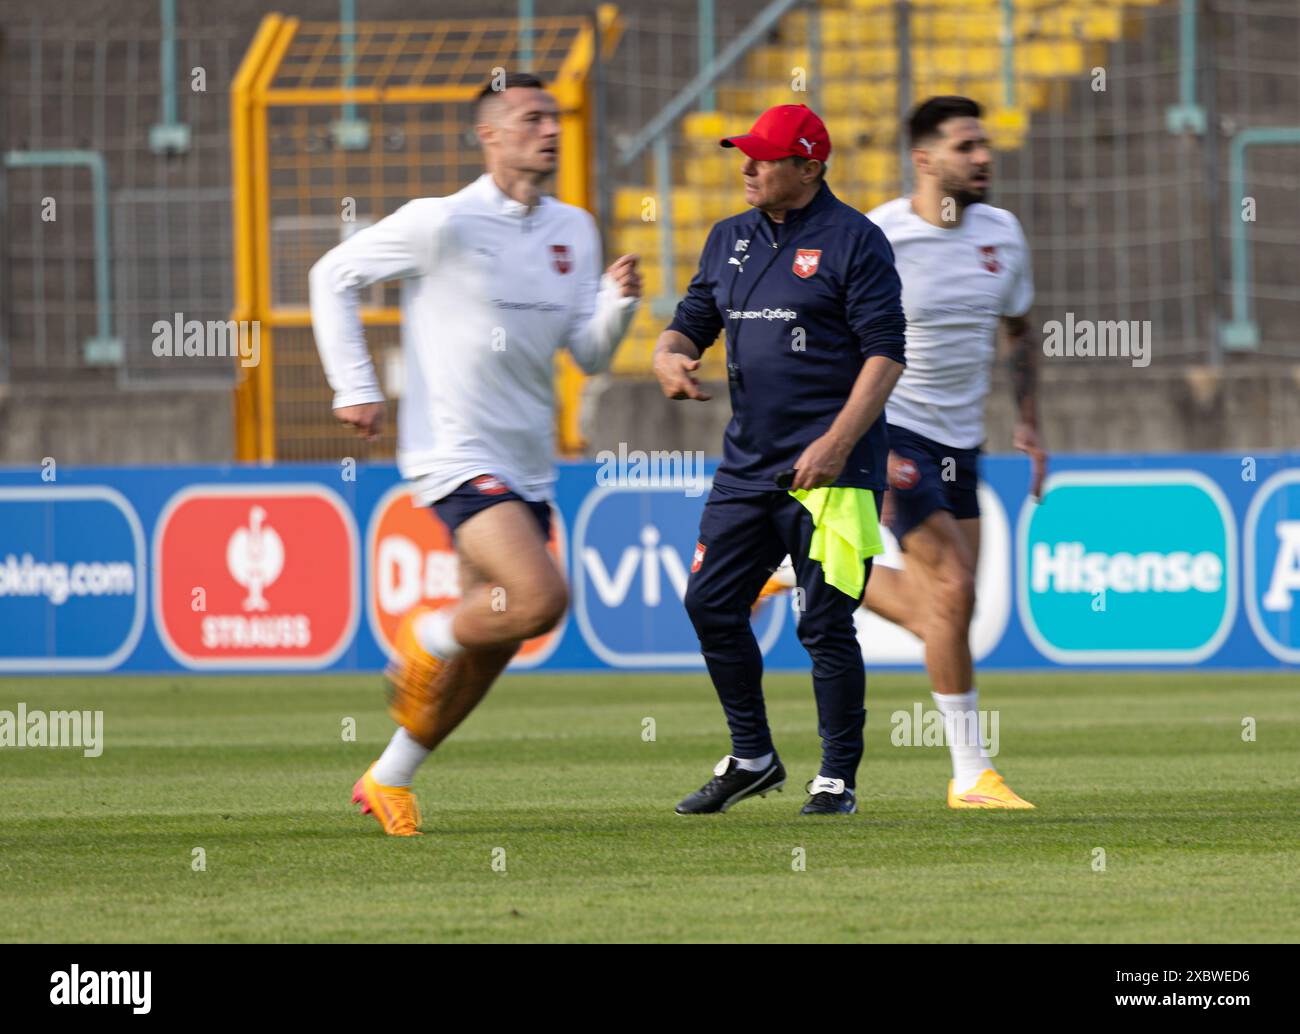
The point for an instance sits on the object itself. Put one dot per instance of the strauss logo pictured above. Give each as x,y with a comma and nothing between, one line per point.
255,558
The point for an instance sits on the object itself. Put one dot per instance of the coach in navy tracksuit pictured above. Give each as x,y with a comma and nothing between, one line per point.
805,287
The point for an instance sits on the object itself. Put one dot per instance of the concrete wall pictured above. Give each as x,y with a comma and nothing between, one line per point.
80,424
1121,410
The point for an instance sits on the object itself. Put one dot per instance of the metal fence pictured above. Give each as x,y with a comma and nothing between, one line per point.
1129,204
1127,220
95,87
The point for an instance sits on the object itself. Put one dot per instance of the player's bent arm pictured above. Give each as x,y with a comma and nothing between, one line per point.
1024,384
400,245
1023,363
595,342
606,300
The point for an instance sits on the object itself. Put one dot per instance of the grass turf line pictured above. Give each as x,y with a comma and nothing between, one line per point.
1198,827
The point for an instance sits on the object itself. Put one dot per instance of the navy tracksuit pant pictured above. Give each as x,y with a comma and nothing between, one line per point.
744,535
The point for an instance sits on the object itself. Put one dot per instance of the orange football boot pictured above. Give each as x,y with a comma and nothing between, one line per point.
989,791
394,806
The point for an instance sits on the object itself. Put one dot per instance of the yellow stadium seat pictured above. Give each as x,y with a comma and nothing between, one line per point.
878,166
629,203
704,172
706,126
839,62
1103,24
861,97
794,27
837,28
687,207
640,238
1007,128
653,281
968,27
775,62
1050,58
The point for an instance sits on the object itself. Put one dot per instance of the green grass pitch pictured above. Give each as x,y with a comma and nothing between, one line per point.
1199,827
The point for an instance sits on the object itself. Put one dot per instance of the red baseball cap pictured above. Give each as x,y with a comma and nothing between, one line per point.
782,131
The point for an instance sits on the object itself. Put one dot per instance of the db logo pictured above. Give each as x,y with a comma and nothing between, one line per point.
255,576
411,561
903,473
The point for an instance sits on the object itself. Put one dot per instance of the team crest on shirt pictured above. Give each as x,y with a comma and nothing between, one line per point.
561,258
806,261
989,257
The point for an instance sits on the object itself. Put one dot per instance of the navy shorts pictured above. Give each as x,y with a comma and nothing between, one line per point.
918,485
478,494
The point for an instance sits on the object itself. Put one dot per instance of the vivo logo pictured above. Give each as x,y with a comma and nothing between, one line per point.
653,561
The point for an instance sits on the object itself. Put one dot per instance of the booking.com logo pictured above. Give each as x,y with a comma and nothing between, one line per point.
1128,568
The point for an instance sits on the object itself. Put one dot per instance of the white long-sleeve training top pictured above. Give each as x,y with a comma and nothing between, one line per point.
490,291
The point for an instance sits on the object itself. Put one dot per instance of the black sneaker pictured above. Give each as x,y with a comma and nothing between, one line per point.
829,797
731,783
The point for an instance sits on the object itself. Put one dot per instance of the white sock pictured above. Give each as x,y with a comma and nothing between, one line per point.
961,713
397,764
754,764
433,630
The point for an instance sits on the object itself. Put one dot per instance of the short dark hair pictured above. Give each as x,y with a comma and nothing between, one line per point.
928,116
526,80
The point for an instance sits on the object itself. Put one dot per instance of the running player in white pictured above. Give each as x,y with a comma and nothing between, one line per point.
496,278
965,268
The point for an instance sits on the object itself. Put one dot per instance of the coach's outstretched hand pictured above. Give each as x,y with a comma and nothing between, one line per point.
674,372
626,275
367,419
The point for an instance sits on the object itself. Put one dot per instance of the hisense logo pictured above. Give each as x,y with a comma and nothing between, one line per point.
1071,567
93,987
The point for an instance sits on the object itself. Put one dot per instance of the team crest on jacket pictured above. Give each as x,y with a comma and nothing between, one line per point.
989,256
561,258
806,261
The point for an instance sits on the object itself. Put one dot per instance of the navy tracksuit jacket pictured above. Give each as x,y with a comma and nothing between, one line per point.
804,304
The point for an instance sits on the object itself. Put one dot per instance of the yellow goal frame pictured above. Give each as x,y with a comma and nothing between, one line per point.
255,91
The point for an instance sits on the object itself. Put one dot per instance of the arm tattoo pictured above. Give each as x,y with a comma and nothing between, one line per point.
1023,363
